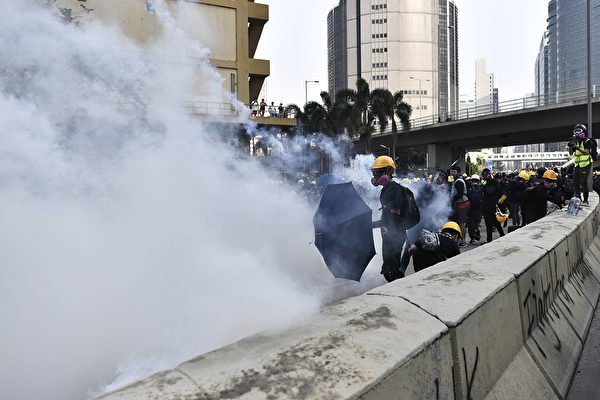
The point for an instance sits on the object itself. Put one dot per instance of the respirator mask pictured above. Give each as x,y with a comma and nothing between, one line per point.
380,178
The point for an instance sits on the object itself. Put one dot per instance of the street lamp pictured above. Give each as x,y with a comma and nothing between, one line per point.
420,91
306,90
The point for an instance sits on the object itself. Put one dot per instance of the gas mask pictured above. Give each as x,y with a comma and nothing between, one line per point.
380,178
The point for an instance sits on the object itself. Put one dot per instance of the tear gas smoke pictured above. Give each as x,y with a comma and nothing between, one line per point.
128,241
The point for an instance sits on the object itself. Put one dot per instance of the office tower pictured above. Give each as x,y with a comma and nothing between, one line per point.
402,45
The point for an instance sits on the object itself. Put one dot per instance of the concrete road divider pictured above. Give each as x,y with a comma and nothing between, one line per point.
504,321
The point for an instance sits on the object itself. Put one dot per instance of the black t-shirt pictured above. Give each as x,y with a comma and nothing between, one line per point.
392,197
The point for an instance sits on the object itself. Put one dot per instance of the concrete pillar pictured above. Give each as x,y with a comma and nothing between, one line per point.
442,155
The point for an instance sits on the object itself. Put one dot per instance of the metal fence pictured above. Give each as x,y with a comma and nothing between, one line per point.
575,96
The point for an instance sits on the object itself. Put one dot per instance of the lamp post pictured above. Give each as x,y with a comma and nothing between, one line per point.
306,90
589,67
420,92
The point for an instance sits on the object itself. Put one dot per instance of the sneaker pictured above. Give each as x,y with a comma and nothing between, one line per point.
473,241
585,203
462,243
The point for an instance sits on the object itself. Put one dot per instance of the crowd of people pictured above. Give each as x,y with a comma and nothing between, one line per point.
262,109
522,196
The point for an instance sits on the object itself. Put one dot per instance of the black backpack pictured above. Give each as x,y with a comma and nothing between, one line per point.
411,213
474,193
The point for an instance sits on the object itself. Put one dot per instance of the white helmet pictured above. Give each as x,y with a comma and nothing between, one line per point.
475,176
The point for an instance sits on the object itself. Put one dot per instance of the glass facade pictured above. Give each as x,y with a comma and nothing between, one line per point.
567,46
337,63
453,99
443,59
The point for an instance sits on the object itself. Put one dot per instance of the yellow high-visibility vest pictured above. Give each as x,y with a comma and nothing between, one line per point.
581,160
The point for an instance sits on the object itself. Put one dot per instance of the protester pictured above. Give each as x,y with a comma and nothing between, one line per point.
514,196
434,247
534,204
280,110
554,190
491,195
393,222
581,149
459,201
475,195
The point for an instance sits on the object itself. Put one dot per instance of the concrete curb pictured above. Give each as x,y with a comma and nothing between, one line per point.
504,321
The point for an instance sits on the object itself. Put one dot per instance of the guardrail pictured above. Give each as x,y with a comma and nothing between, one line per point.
504,321
574,96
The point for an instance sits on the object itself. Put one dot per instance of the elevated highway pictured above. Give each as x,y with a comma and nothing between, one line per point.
445,140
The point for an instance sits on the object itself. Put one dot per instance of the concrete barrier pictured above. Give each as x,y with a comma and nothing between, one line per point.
504,321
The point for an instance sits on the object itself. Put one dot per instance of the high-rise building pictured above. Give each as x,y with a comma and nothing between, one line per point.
231,29
567,47
484,88
541,72
402,45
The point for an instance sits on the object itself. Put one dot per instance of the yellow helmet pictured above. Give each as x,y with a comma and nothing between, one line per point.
524,175
384,162
500,216
453,226
450,179
300,181
550,175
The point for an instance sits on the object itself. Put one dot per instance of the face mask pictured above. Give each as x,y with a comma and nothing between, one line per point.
383,180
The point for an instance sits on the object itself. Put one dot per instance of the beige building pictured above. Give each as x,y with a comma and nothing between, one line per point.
231,29
405,45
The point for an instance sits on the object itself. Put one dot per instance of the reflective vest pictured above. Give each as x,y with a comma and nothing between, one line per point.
581,160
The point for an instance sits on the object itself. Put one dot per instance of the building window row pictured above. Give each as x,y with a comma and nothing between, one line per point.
380,77
378,6
378,35
379,21
380,65
416,92
422,107
380,50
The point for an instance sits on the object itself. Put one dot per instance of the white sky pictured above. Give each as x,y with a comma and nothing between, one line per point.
506,33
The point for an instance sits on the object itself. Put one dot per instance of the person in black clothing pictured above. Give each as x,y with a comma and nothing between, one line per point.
491,195
534,204
393,226
475,195
433,247
516,190
459,201
553,188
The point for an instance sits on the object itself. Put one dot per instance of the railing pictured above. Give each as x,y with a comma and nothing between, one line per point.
574,96
189,106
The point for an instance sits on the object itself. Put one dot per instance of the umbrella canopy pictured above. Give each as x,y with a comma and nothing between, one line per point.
344,231
328,179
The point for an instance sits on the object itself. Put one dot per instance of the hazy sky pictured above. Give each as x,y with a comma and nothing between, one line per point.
506,33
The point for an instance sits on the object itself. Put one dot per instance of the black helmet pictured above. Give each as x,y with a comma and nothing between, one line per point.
579,128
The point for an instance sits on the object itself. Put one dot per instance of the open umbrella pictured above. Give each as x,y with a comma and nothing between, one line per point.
344,231
328,179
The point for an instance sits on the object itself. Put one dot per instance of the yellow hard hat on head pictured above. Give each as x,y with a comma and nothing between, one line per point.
384,162
524,175
453,226
550,175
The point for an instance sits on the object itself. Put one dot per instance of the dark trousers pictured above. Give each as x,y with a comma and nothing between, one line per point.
580,181
514,213
473,221
391,249
490,223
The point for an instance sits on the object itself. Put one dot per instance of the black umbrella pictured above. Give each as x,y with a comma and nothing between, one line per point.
344,231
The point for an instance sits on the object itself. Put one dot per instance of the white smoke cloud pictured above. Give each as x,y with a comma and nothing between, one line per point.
132,236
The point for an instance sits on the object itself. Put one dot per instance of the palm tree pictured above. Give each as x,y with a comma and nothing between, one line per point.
402,111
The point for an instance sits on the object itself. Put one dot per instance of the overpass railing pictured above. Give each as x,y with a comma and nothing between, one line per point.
573,96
